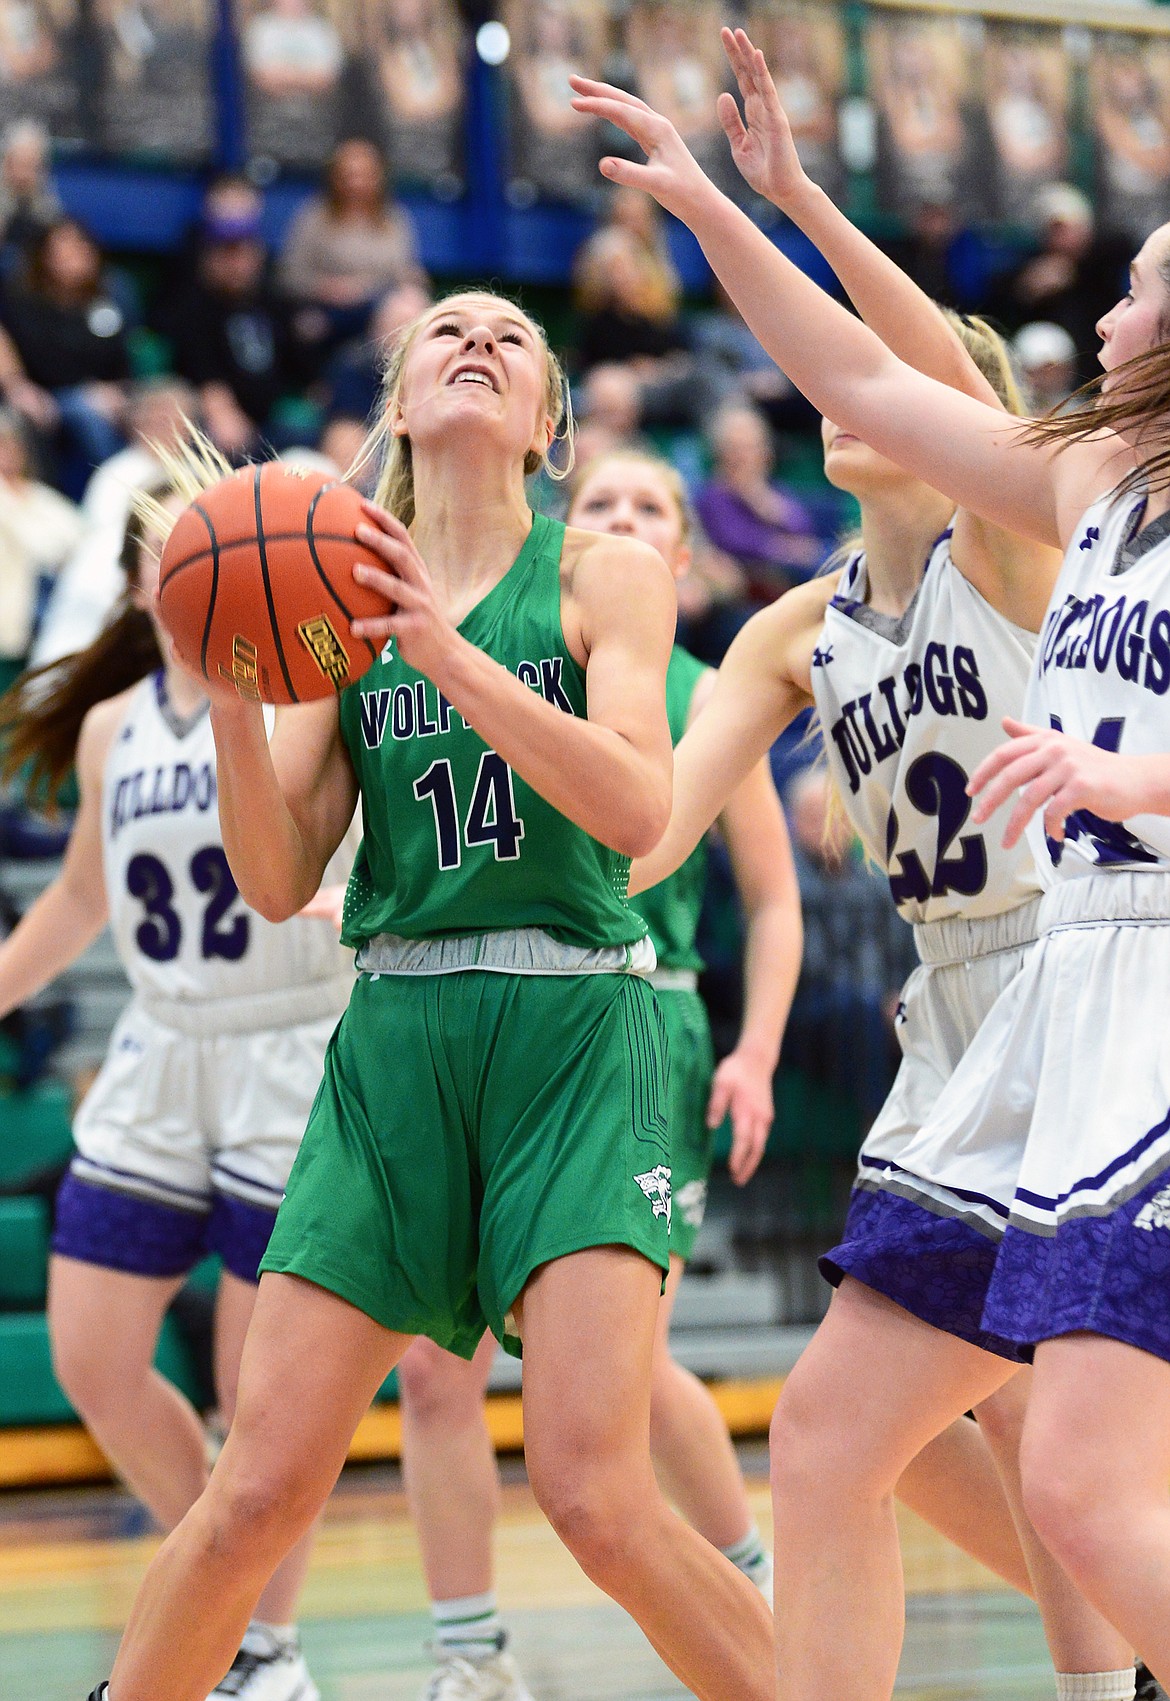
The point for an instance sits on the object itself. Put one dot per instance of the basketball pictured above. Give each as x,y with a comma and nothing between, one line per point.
257,586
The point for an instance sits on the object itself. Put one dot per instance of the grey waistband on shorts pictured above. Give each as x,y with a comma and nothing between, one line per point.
511,951
675,980
959,938
280,1007
1088,900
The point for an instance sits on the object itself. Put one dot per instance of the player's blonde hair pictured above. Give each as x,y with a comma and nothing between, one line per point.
990,353
191,465
395,487
666,470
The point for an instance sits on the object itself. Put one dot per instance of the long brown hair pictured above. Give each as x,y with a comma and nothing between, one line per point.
41,714
1137,408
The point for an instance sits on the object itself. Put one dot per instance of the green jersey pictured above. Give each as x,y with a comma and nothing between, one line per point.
671,909
454,841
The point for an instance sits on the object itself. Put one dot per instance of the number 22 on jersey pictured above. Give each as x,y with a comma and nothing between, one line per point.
937,787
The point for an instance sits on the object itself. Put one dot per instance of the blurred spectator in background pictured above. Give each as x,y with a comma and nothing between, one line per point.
554,149
416,49
640,216
609,411
38,529
630,235
27,45
857,952
1047,360
350,244
629,316
230,328
744,512
1073,278
92,579
64,359
680,71
341,441
929,251
626,314
29,204
737,366
354,375
290,49
713,601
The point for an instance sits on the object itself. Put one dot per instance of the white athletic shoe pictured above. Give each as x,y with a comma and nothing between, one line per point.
494,1678
266,1669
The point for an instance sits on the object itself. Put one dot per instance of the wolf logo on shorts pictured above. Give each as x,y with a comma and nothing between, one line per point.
655,1184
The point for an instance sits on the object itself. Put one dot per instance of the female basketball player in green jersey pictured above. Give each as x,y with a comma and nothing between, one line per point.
489,1142
448,1463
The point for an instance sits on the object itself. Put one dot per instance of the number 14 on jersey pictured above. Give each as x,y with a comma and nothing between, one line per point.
491,817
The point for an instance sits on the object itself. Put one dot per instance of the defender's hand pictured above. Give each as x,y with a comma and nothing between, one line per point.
670,173
761,140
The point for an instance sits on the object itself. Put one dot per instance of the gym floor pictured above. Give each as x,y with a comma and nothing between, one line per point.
70,1562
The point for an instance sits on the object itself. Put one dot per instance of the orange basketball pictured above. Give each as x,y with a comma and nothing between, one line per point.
257,585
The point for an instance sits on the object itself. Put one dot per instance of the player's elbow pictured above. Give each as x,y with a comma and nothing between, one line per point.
644,822
274,900
272,906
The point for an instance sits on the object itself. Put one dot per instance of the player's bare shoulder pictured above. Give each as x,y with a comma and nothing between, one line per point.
598,569
99,730
782,637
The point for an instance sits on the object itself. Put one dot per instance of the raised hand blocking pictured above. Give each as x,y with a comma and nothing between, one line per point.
670,174
761,139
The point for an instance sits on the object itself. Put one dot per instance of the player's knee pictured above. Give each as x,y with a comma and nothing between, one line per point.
95,1381
262,1506
797,1444
1063,1498
589,1516
434,1387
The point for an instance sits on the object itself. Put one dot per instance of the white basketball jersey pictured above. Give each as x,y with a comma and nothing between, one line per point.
180,926
908,708
1102,674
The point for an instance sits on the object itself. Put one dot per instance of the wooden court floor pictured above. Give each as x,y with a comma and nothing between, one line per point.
70,1562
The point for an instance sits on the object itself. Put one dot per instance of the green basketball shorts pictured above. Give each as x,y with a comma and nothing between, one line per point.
692,1143
471,1127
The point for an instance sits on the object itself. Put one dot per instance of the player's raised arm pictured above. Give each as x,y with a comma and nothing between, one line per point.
958,445
70,913
910,324
758,691
765,878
